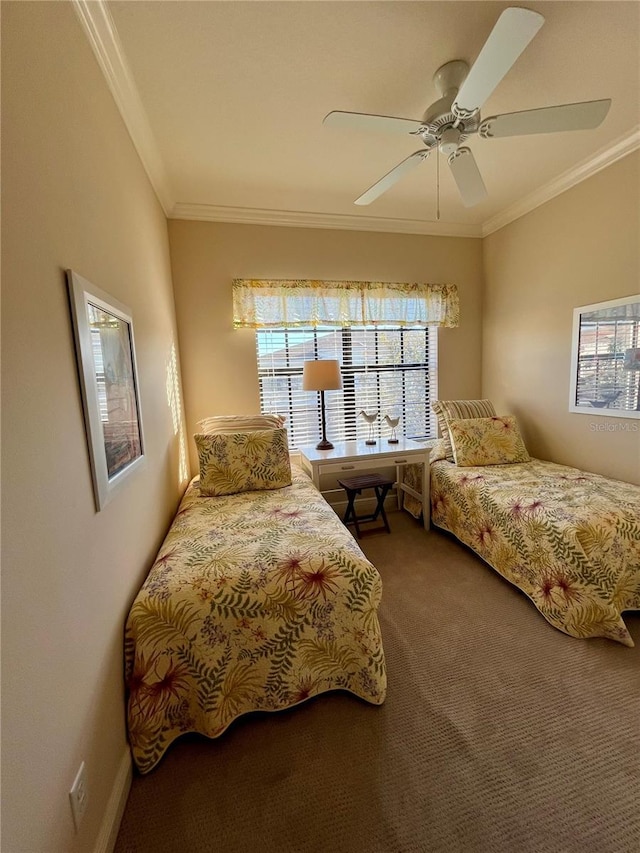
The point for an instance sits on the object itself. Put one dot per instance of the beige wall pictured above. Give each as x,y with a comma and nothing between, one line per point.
580,248
74,195
219,363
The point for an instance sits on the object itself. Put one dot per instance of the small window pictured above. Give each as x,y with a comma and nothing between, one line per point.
605,373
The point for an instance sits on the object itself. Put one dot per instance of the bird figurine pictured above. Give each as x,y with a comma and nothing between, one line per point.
370,419
393,423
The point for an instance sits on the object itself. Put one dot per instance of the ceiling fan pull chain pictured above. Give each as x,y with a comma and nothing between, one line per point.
437,185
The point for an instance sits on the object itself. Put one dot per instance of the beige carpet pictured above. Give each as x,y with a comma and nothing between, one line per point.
499,733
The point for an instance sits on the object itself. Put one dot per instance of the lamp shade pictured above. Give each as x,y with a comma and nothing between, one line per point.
323,375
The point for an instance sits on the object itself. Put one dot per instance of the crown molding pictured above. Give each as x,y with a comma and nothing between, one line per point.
101,32
298,219
605,157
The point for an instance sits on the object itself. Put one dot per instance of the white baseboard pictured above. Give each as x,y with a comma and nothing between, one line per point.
115,807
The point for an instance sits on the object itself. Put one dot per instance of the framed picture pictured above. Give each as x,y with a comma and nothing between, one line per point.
105,351
605,359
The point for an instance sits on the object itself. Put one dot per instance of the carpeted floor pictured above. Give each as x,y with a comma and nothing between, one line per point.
498,734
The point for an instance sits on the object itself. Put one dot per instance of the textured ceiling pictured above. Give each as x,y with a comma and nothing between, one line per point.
235,94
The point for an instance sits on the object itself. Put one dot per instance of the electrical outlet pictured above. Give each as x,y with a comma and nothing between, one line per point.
79,796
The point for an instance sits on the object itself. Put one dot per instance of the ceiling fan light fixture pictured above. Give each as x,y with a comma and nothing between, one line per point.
450,140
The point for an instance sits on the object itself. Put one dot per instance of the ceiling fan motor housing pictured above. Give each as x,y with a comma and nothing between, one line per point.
438,120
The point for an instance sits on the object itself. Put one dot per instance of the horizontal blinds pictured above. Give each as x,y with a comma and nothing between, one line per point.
389,371
602,376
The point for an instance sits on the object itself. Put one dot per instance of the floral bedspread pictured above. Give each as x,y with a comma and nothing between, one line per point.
257,601
413,478
568,539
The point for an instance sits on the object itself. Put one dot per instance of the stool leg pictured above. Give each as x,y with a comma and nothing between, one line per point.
349,510
375,515
350,514
381,494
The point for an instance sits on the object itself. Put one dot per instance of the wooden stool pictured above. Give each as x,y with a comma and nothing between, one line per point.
353,486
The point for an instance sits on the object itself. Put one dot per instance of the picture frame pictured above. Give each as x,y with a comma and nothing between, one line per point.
105,352
605,359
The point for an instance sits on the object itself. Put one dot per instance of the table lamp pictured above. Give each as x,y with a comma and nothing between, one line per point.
322,375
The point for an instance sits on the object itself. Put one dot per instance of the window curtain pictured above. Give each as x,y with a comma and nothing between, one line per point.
259,304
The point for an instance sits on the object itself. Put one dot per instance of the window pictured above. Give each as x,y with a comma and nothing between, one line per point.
605,359
392,371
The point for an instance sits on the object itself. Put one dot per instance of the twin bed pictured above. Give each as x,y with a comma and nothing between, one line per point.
260,599
257,601
567,538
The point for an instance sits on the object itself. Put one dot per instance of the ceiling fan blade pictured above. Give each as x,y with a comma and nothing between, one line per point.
512,32
582,116
467,176
365,121
391,177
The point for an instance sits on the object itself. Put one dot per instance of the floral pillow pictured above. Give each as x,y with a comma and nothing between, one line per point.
487,441
243,461
450,410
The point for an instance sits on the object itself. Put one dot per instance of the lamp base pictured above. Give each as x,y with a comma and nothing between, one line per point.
324,445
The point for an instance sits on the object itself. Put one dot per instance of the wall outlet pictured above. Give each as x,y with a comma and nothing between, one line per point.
79,796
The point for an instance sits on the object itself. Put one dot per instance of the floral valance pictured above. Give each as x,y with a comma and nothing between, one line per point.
259,304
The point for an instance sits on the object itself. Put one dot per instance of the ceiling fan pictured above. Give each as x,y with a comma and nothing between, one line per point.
455,116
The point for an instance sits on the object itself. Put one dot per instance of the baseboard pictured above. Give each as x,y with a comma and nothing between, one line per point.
115,807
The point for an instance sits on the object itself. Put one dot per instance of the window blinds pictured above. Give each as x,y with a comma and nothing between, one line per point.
390,371
602,376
